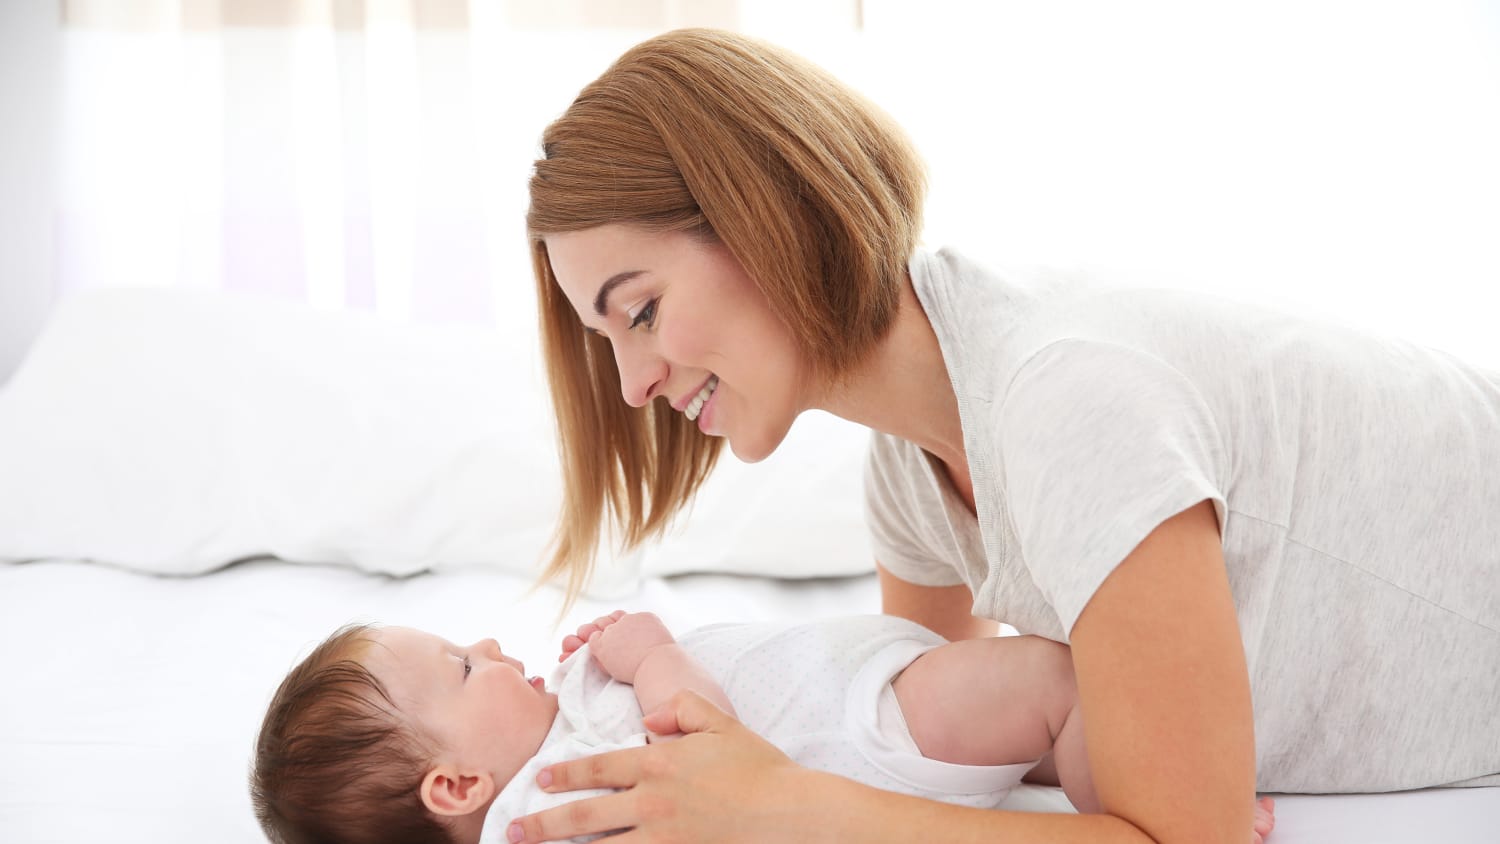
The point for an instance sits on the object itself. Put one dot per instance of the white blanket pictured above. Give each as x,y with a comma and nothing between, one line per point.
131,701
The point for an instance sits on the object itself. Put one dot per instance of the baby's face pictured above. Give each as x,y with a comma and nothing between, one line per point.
477,703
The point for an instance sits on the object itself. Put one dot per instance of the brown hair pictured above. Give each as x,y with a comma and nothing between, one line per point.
815,191
334,762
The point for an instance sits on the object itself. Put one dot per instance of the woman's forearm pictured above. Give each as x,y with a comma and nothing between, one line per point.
843,810
723,782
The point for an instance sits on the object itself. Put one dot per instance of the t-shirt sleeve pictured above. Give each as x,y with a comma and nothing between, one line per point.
903,509
1100,444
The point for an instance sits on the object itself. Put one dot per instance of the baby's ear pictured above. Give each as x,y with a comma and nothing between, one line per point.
449,792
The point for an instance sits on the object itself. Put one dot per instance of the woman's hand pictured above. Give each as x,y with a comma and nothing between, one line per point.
719,783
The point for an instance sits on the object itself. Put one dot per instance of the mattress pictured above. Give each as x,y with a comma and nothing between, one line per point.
132,700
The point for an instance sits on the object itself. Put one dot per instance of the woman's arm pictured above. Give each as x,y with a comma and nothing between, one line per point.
722,782
1166,702
1164,688
945,610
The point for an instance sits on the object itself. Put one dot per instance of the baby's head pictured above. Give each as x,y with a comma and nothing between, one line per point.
392,734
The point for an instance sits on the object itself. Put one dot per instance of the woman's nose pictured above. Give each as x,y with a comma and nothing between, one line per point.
641,373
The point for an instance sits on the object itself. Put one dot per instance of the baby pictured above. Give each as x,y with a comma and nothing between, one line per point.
393,734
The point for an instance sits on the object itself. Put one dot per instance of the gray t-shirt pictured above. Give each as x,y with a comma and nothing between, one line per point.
1356,481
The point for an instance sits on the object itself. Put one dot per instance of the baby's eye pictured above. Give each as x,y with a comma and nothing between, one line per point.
467,667
646,315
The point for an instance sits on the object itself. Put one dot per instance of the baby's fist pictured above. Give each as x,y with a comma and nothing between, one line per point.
621,646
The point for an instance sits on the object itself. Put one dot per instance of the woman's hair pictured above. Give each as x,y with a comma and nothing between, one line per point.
815,191
334,762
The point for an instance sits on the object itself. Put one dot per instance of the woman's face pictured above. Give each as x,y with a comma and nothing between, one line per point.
688,326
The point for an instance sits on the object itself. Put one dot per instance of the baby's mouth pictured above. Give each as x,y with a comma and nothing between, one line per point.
538,684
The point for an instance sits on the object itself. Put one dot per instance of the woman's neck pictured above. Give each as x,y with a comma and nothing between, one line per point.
903,389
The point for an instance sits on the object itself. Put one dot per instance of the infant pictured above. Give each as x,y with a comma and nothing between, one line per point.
393,734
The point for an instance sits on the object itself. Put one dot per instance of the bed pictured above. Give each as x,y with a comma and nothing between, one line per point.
195,489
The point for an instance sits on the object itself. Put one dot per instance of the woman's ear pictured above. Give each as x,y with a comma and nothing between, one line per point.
449,792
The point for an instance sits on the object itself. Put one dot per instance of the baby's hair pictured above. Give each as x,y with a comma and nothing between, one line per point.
334,762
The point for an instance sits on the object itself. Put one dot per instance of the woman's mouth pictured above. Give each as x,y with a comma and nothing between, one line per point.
695,406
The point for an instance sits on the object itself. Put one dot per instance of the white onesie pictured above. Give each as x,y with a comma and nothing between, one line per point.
821,692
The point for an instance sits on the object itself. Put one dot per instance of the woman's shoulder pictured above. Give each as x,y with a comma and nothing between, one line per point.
994,321
972,296
962,292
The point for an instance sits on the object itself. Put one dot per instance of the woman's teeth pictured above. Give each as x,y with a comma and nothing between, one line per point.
696,405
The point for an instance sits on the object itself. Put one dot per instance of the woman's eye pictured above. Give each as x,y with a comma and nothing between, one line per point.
646,315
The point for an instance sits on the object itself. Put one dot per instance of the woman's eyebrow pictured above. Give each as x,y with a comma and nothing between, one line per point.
601,300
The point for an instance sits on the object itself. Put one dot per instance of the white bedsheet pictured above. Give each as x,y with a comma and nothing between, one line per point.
131,701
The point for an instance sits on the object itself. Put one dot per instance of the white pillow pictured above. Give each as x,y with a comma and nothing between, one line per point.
798,513
175,430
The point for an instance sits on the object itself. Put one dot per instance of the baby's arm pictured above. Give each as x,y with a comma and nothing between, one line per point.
637,648
1071,761
999,701
1010,699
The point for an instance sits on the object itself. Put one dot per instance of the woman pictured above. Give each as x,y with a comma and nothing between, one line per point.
1270,544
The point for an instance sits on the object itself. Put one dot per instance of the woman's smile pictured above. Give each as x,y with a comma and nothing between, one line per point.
694,403
705,416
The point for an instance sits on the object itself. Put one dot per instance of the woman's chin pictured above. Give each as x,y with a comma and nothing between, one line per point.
745,455
753,449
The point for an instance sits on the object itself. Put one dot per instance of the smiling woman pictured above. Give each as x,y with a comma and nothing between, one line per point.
1183,489
788,249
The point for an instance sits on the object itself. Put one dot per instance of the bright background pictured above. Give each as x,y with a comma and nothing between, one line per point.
372,154
369,157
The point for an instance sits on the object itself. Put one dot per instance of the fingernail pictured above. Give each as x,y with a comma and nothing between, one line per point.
514,834
544,779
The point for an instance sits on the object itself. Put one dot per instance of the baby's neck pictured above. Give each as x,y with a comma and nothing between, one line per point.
469,829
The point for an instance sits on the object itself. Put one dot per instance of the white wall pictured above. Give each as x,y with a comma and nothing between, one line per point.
1334,156
30,82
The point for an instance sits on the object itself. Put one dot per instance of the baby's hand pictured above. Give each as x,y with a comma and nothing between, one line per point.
1265,820
620,641
573,642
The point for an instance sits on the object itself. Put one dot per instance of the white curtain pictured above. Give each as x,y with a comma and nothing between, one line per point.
327,153
364,154
372,154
